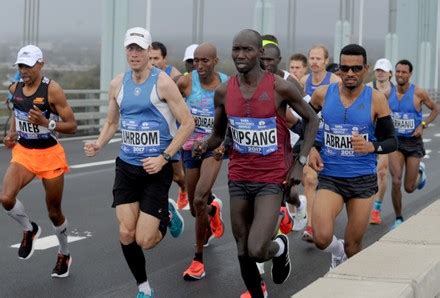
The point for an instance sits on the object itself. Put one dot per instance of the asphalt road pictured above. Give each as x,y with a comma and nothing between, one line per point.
98,268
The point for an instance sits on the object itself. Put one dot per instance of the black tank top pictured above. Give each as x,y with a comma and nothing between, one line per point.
31,135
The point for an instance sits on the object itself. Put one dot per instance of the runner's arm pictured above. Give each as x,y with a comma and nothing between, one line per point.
58,101
220,118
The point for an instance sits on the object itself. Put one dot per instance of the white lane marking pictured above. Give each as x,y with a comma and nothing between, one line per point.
437,135
50,241
427,140
92,164
427,151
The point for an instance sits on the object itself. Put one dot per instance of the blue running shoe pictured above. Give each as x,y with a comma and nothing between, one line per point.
397,223
176,224
143,295
422,179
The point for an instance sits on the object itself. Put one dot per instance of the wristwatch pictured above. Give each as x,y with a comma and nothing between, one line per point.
52,125
166,156
302,160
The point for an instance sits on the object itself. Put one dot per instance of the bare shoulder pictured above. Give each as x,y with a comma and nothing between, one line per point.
334,78
55,91
184,81
304,79
420,92
116,82
12,87
222,88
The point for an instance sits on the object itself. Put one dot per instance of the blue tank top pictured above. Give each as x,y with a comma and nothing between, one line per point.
147,124
168,70
201,106
405,116
310,87
339,123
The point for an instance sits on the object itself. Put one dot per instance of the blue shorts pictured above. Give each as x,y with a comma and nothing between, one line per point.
195,163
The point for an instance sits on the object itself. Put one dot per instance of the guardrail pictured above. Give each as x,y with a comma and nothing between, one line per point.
89,107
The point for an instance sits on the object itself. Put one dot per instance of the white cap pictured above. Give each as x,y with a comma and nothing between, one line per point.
139,36
189,52
29,55
383,64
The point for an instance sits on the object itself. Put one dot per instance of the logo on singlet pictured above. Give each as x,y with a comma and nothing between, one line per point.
137,91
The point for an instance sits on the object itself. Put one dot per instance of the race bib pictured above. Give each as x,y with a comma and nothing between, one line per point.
204,120
140,137
404,123
337,139
27,130
254,135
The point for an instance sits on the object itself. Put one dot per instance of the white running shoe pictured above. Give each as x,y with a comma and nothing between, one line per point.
300,217
336,261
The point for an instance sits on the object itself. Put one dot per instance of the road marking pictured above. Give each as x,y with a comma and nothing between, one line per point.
427,140
93,164
427,151
50,241
437,135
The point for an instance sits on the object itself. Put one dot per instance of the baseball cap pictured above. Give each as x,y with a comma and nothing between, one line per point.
383,64
189,52
29,55
139,36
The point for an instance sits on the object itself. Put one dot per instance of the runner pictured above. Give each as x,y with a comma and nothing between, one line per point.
40,112
146,103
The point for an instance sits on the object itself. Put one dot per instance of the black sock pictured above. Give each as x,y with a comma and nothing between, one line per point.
251,276
213,210
210,199
399,217
199,257
136,261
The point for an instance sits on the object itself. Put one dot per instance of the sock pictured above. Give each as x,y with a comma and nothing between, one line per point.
61,233
136,261
213,210
282,247
19,215
199,257
399,218
377,205
145,288
336,247
251,276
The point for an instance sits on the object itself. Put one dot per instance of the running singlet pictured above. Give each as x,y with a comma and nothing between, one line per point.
309,87
339,124
201,106
261,142
147,124
31,135
405,116
168,70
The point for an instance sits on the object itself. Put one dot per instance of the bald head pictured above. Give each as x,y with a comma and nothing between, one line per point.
206,50
249,36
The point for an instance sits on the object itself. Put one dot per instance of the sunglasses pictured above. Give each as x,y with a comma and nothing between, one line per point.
354,68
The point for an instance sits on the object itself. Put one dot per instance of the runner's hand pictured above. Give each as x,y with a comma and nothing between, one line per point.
36,116
91,148
10,139
219,152
315,161
198,149
153,165
418,132
360,145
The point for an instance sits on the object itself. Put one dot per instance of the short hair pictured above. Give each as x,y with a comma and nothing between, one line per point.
299,57
319,46
269,38
354,50
273,46
157,45
406,62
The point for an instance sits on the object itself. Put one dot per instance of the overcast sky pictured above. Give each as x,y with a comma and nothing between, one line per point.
315,19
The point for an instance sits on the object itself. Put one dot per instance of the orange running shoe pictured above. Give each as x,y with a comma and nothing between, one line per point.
248,295
195,271
375,217
308,234
286,223
182,200
216,223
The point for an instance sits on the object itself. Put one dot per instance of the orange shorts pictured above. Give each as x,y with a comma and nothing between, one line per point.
46,163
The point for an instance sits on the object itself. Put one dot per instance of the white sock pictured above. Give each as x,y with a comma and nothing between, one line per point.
281,248
20,216
61,233
336,247
145,288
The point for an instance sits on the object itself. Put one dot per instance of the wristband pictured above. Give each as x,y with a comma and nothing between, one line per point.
424,124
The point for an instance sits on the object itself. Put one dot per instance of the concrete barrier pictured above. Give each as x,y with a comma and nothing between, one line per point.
403,263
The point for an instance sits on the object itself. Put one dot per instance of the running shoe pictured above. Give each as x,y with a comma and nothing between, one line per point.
286,224
195,271
281,265
397,223
422,179
27,243
62,266
143,295
300,217
263,288
216,223
336,261
308,234
375,217
182,200
260,268
176,224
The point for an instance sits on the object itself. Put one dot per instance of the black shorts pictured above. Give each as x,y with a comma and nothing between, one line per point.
133,184
362,187
251,190
411,146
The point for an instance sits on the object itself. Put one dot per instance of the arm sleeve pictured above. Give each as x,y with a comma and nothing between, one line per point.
386,136
298,128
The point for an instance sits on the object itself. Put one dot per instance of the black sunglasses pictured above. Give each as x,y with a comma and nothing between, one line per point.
354,68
